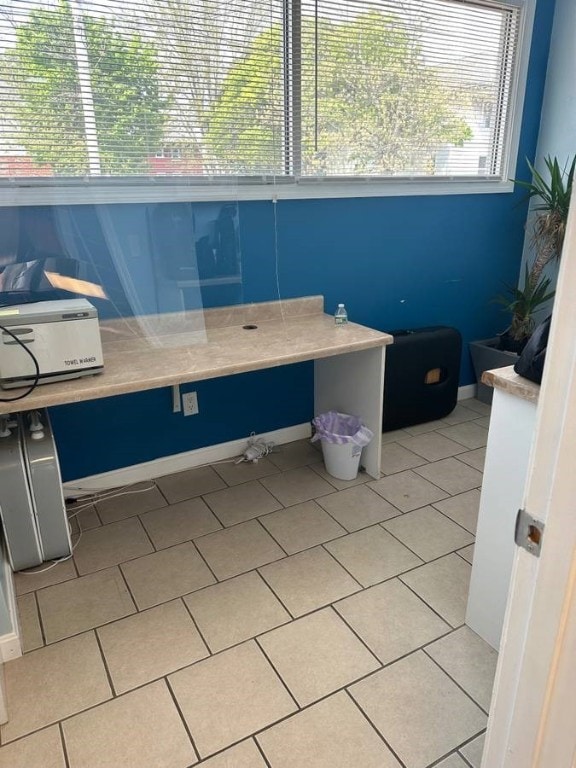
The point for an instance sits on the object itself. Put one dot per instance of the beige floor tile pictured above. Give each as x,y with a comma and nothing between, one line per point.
317,655
467,553
90,601
436,716
428,533
391,620
463,509
142,728
444,585
235,610
372,555
358,508
469,433
110,545
133,501
243,755
340,485
396,458
87,517
39,750
394,436
473,750
30,629
407,491
302,526
52,683
309,580
229,696
469,661
179,523
29,581
461,413
330,734
297,485
451,475
432,446
296,454
150,644
475,459
427,426
234,474
478,407
167,574
190,483
238,549
241,502
484,421
454,761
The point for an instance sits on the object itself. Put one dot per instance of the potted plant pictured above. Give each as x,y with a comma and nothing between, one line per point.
548,229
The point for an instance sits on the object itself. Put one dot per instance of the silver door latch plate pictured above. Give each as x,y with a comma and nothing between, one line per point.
529,532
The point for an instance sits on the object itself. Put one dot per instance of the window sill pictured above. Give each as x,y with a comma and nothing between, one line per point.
86,194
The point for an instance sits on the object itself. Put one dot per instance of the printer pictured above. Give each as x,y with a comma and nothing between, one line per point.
63,336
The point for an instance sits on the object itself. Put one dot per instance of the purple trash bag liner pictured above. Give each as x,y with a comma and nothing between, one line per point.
340,428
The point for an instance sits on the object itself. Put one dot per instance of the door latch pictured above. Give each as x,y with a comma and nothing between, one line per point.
529,532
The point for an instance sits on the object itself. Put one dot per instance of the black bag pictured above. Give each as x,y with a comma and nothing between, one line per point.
530,364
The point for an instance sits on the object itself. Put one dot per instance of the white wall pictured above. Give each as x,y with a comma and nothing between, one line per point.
557,135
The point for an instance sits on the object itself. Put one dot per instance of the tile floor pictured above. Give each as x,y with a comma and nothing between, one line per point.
243,616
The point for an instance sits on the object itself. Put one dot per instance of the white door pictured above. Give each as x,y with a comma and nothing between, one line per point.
533,715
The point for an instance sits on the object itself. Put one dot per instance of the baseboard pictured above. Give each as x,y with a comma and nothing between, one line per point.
167,465
466,392
10,647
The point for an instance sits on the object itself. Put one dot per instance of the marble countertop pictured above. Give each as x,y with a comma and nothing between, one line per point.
509,381
162,350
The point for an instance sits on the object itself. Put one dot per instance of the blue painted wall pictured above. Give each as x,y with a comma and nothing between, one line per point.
395,262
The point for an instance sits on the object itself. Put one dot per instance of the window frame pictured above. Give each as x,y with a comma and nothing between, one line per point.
82,191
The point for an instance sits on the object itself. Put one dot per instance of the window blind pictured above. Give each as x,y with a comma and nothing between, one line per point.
410,88
293,89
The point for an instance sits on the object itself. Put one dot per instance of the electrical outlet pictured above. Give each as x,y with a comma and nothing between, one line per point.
190,403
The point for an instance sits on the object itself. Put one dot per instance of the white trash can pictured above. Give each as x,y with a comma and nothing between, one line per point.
342,461
343,438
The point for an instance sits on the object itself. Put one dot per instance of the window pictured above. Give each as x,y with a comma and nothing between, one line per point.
196,91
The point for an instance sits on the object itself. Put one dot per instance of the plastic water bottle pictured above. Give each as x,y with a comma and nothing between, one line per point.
341,316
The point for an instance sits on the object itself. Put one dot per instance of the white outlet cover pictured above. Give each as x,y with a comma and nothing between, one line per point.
190,403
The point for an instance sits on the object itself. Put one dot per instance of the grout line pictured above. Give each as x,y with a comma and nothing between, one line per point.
259,748
125,580
138,517
64,747
469,695
194,622
183,719
276,595
201,556
274,539
368,719
160,491
343,566
40,620
105,663
277,673
358,637
427,604
472,533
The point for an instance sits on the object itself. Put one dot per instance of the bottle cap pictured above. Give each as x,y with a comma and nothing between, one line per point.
340,305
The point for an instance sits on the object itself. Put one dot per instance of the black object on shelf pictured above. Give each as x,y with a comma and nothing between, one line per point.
421,376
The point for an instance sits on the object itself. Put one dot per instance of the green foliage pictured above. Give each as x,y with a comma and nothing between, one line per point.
129,111
522,303
379,108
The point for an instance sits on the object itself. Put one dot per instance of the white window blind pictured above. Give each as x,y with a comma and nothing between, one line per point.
283,89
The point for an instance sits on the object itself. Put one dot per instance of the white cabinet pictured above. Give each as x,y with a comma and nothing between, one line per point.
510,439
